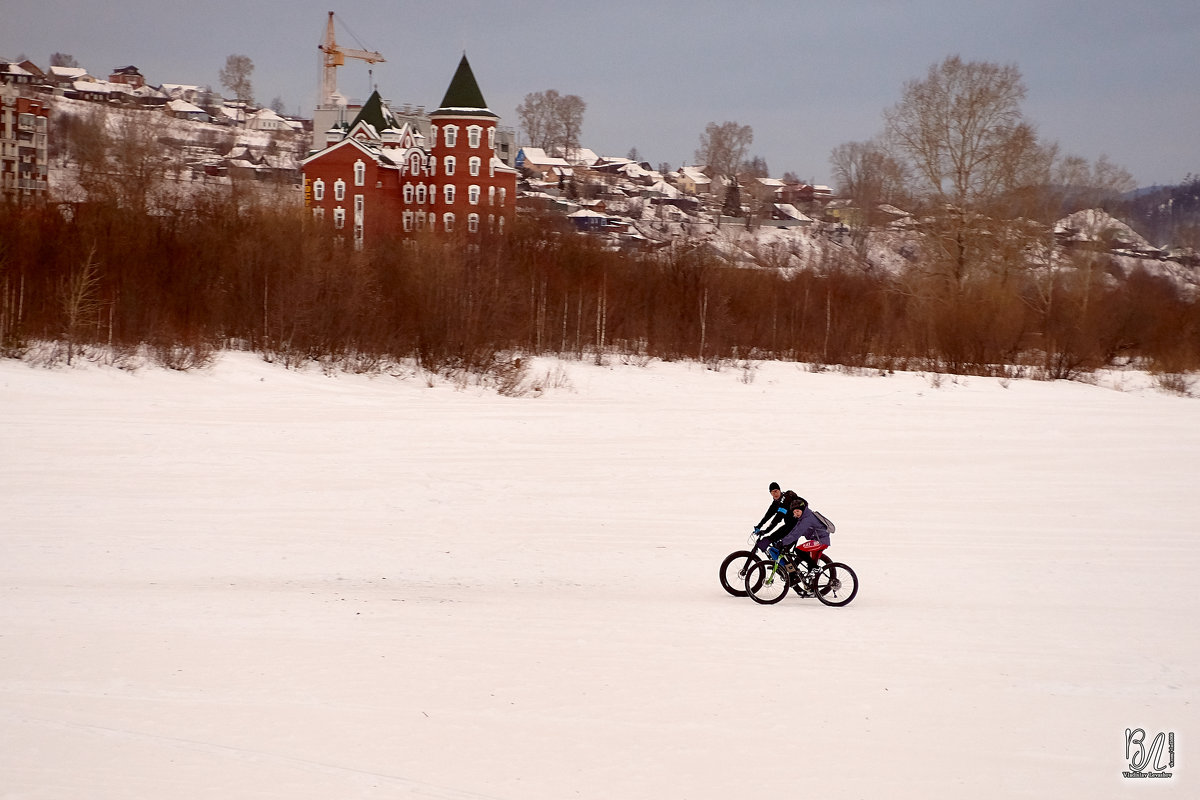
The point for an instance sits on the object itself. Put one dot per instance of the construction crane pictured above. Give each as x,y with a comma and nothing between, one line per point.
335,56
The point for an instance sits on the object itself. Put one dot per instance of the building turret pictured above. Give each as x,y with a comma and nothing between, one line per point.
476,191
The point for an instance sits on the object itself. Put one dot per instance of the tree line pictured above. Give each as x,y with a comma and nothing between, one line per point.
103,278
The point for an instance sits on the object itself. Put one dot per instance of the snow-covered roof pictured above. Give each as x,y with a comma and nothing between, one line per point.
184,107
537,155
665,189
791,212
92,86
582,156
69,73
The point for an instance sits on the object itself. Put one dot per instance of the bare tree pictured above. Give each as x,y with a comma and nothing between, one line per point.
723,147
77,297
1086,185
63,60
962,132
235,76
973,159
552,121
865,172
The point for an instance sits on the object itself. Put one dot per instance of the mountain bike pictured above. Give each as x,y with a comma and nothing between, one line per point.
737,564
833,583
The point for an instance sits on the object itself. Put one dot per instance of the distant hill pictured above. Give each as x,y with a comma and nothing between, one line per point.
1166,215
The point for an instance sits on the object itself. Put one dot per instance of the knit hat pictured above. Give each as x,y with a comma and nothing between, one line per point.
774,487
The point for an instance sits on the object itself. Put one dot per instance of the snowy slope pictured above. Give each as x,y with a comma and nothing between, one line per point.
257,583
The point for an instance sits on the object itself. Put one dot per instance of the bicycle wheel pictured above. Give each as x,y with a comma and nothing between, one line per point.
767,584
798,586
836,584
734,569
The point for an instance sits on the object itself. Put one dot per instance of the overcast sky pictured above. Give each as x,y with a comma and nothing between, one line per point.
1103,77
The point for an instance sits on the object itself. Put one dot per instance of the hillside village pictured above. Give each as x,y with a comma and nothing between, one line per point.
210,141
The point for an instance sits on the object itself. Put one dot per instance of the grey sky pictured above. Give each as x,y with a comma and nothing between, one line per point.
1103,77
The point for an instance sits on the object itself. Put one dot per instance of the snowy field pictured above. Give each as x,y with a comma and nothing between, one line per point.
249,582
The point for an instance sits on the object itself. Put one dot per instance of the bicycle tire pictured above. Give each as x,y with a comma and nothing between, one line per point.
766,585
836,585
733,575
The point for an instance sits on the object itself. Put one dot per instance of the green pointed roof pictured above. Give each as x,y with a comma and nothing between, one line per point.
375,114
463,95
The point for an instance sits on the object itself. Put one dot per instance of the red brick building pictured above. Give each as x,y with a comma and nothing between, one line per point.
381,177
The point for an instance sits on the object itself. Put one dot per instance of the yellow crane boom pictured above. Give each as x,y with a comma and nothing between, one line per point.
335,56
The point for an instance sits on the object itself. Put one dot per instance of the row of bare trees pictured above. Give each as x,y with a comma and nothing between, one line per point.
261,278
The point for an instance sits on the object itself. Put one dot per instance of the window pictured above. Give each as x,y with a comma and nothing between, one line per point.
451,135
473,223
433,135
360,173
339,218
408,220
449,192
414,164
448,222
318,189
359,206
421,194
502,193
473,133
473,195
491,195
318,213
491,138
473,165
408,194
339,190
449,163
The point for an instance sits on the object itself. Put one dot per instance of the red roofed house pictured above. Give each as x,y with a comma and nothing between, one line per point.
380,177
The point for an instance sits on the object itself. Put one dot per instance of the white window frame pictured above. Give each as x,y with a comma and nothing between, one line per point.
473,223
450,135
318,189
408,194
448,221
339,218
474,136
360,172
473,195
422,194
449,163
339,190
473,166
448,194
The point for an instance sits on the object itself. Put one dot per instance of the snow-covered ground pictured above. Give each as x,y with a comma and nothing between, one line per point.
249,582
